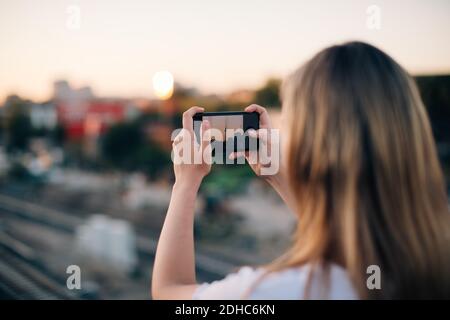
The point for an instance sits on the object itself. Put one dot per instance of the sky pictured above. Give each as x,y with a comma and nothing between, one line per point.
216,46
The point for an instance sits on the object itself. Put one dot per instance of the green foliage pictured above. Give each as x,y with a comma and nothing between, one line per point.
19,132
120,145
152,160
223,181
126,147
435,92
227,179
269,94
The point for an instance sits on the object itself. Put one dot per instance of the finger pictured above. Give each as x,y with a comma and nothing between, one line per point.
179,142
178,138
206,149
205,134
252,133
188,122
264,119
260,134
177,149
235,155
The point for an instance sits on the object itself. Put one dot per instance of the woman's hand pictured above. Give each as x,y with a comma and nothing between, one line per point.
279,180
264,139
198,163
253,157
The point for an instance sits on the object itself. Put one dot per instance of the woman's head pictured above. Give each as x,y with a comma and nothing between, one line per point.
363,166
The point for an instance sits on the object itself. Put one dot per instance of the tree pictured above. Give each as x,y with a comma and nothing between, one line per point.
268,95
126,147
152,160
435,92
120,144
19,132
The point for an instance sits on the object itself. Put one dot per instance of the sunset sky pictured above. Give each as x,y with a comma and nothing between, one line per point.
216,46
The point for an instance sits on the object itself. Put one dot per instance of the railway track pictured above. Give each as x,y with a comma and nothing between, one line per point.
211,267
23,276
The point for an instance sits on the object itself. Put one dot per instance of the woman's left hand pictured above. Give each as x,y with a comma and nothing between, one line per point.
191,170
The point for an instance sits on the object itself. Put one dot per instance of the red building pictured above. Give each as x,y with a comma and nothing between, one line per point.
90,118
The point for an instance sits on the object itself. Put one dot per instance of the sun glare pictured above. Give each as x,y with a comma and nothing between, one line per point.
163,84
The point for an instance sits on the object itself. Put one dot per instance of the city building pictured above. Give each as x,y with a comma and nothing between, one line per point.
43,115
84,115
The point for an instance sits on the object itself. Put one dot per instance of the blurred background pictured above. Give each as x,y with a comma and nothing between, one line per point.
90,92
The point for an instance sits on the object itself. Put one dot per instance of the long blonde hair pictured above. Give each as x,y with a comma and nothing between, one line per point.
363,166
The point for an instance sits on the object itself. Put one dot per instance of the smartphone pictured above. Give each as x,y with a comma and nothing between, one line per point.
232,127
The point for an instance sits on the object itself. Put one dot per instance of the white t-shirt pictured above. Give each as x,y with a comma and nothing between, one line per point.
287,284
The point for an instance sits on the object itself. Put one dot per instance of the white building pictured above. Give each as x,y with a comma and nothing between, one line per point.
43,116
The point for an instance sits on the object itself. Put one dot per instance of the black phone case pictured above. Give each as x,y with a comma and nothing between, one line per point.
250,121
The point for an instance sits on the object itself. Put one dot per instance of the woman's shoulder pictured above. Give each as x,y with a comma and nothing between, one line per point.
256,283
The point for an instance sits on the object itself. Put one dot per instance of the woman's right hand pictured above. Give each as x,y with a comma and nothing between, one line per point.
278,180
252,157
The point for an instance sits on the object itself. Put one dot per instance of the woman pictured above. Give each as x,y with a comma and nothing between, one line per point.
360,171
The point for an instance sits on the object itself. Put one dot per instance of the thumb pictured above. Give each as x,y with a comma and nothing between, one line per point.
261,134
205,133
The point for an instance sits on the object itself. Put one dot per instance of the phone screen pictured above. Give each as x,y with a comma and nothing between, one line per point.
230,134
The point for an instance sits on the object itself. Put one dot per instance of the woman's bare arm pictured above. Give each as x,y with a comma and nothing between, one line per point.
174,267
